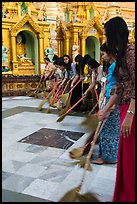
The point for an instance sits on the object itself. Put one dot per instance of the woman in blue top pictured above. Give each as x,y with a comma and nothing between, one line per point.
109,136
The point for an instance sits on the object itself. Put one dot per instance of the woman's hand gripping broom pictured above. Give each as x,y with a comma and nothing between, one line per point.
46,98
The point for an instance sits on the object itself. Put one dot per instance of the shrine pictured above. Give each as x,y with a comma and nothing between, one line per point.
29,29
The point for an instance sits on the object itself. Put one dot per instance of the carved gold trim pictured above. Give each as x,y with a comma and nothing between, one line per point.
26,18
92,23
62,26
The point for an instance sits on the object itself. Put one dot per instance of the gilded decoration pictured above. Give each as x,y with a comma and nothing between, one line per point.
75,25
92,23
26,18
62,26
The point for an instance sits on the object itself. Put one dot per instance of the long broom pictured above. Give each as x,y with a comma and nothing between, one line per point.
63,115
46,98
53,99
66,98
51,103
90,124
58,102
74,194
80,151
43,94
33,93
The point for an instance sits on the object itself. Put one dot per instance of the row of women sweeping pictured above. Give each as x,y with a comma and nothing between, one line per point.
84,73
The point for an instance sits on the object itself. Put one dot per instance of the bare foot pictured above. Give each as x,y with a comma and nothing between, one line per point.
99,161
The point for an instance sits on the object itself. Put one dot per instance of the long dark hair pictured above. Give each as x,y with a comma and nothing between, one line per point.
86,58
80,65
104,48
67,66
117,33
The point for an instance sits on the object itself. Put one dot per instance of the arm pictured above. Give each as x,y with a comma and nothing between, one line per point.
75,80
127,122
73,67
92,84
109,107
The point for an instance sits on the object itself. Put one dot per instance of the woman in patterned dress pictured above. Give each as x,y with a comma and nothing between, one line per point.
117,34
109,136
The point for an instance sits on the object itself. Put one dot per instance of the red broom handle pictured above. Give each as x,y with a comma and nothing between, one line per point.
52,90
64,90
65,87
75,104
52,100
75,85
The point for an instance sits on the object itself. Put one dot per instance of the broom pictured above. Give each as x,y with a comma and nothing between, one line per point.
78,152
65,98
56,96
90,123
74,194
53,99
32,94
83,150
63,115
43,94
46,98
58,102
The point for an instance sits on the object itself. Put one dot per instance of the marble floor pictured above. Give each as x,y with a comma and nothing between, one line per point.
36,166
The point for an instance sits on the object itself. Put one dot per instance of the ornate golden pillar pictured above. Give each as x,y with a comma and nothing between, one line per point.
41,52
83,45
59,46
88,17
66,46
14,54
70,15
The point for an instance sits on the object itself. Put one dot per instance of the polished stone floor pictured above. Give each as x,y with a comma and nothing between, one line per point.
36,166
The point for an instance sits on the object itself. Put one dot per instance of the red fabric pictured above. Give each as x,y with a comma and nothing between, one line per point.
125,178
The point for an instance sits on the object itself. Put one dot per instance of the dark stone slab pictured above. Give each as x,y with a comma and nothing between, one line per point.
53,138
11,196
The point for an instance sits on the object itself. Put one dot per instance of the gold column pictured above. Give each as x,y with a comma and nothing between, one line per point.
88,17
67,46
62,48
70,15
14,54
83,45
41,52
75,37
59,47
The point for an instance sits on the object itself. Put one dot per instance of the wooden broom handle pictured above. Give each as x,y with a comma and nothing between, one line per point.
75,104
52,100
65,87
52,90
75,85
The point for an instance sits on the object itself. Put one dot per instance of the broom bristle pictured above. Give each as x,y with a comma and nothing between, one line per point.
76,153
48,110
70,196
88,197
32,94
61,112
41,104
59,119
91,122
64,98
